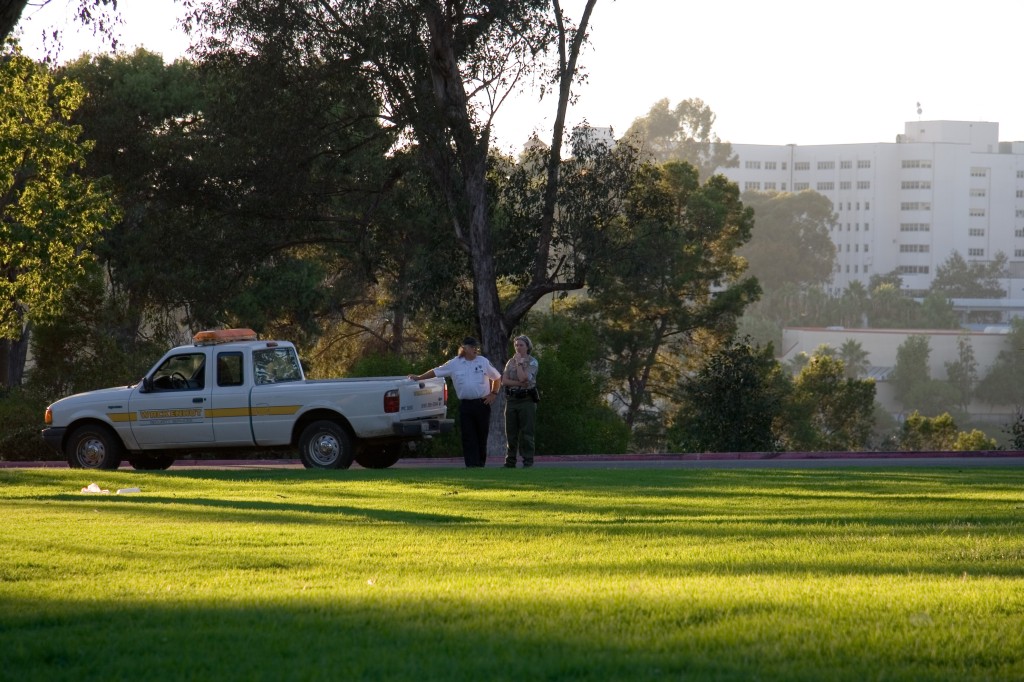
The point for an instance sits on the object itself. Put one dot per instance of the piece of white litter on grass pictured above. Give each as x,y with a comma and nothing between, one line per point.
122,491
93,489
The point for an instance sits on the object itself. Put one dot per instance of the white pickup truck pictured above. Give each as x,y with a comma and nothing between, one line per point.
229,391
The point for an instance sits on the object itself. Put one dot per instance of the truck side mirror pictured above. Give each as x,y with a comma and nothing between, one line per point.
147,385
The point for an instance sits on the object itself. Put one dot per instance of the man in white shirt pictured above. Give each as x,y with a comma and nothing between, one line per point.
476,384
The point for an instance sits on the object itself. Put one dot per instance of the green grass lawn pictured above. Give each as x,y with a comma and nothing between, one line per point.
494,574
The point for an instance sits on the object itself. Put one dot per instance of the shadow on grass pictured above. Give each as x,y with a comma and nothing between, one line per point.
377,638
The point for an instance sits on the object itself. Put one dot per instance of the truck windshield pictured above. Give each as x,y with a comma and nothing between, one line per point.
275,365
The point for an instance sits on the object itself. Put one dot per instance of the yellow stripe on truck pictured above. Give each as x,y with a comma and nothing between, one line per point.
122,417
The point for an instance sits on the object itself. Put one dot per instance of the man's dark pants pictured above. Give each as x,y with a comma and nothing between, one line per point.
475,419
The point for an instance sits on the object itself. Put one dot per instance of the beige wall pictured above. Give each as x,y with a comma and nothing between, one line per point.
882,344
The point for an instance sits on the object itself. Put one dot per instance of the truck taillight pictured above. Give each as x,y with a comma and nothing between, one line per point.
48,417
391,401
446,393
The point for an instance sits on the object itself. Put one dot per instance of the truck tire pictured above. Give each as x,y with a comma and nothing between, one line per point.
378,456
150,462
325,445
93,446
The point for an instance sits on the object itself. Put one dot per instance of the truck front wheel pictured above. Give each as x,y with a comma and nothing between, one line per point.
325,445
93,447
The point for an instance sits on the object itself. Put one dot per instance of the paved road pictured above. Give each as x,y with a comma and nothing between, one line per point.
707,461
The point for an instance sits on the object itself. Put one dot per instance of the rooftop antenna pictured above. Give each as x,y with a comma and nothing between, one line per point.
918,111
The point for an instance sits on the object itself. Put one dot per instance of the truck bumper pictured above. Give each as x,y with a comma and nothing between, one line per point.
54,437
424,427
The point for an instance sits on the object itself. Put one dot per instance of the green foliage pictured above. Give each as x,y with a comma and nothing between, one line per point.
50,214
829,411
956,278
939,434
668,280
962,373
854,357
573,416
732,403
1004,383
911,370
21,419
790,242
1015,429
762,331
682,134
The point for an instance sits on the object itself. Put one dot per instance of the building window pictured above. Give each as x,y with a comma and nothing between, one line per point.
912,269
977,213
784,164
753,164
846,164
752,186
916,184
1018,232
915,227
914,248
863,184
977,192
1020,174
917,163
846,184
769,185
1020,194
867,205
799,186
867,227
769,165
802,165
977,253
1018,253
1020,212
979,172
783,188
825,186
915,206
866,250
826,165
976,232
863,164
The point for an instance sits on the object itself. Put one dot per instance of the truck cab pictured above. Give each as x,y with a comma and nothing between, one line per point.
228,389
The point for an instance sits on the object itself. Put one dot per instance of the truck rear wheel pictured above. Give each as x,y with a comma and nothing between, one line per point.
378,456
325,445
93,447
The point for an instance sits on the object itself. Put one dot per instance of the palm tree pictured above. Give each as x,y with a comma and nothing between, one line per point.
854,357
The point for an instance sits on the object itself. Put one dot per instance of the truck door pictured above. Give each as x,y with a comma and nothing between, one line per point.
174,412
230,400
274,400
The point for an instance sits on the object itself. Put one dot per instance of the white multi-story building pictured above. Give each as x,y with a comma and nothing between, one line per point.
906,206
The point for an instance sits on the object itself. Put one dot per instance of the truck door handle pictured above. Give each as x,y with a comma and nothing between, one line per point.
198,400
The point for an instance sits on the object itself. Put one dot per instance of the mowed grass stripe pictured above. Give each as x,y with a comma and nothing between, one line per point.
905,574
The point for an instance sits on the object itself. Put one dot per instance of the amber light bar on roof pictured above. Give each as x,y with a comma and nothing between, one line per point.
214,336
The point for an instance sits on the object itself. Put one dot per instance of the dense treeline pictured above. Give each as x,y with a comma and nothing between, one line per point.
330,194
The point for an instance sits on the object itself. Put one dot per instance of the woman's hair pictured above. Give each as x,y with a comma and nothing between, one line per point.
525,339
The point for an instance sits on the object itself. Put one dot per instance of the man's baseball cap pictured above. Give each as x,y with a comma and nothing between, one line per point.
470,342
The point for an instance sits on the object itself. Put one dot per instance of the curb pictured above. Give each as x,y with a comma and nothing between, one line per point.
638,457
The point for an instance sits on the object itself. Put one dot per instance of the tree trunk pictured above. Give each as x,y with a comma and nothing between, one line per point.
13,355
10,14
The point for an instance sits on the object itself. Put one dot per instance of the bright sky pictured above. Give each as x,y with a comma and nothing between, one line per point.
789,71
